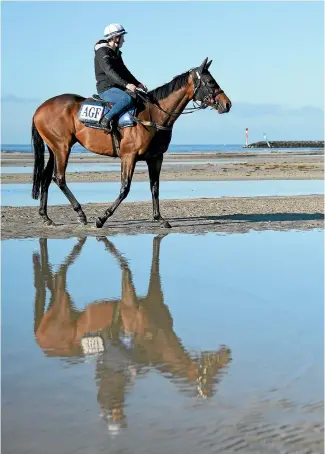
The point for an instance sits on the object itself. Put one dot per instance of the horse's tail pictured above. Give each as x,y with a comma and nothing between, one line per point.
39,148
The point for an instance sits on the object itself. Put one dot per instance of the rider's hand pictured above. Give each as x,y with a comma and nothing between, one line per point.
144,87
131,87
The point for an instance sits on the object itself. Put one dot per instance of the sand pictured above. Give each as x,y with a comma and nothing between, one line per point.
245,166
227,215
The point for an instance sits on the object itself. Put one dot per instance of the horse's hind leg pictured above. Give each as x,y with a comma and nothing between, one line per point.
59,179
46,181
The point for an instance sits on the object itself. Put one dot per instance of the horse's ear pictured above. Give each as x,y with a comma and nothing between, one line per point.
202,67
207,66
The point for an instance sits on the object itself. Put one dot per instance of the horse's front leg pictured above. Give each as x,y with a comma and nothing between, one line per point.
154,167
127,169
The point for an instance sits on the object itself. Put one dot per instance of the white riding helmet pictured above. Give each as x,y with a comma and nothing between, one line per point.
112,30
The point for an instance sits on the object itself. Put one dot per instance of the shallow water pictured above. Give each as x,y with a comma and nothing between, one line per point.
115,167
20,194
182,149
246,316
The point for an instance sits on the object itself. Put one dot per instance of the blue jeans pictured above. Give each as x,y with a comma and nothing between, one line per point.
121,100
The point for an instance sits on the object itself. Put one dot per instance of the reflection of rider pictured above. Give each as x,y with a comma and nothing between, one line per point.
112,76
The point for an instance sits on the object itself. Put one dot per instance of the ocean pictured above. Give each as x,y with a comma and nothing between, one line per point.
26,148
182,149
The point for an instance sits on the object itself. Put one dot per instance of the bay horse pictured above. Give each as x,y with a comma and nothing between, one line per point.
62,331
56,124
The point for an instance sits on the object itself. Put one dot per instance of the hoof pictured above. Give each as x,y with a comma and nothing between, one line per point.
166,225
99,223
82,220
48,222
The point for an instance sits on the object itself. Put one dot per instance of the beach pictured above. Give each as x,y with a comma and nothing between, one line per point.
190,167
199,215
225,215
200,332
235,285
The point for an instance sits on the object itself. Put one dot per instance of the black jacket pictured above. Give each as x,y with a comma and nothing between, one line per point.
110,69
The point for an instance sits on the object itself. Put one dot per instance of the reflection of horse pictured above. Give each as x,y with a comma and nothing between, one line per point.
56,123
130,334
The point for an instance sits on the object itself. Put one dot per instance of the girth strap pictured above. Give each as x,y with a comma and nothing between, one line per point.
150,124
116,143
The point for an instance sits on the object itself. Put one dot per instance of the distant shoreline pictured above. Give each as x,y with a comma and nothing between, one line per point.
191,149
287,144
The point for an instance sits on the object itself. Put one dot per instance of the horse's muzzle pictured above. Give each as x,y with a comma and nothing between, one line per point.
223,103
226,108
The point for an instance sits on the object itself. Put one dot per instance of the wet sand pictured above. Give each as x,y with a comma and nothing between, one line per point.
200,215
228,215
242,166
187,216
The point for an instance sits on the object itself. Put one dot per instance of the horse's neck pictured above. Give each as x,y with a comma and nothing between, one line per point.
175,103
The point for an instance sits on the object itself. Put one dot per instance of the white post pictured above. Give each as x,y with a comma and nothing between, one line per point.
265,138
246,137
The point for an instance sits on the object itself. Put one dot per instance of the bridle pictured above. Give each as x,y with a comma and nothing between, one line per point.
208,100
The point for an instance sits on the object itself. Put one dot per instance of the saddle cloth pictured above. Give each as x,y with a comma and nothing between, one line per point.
93,109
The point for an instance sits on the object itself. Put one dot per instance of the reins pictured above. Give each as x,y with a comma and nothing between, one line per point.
145,97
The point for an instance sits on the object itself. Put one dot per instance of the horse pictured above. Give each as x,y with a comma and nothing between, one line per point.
55,123
104,327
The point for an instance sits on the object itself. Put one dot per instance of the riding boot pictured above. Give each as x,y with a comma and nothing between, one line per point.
106,124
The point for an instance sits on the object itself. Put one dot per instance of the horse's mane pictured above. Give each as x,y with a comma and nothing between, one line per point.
175,84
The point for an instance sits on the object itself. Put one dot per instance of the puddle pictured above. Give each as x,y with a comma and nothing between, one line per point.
176,343
20,194
116,167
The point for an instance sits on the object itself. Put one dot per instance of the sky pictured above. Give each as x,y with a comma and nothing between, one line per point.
268,57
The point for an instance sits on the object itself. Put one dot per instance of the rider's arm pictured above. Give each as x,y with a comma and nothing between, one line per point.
131,78
104,61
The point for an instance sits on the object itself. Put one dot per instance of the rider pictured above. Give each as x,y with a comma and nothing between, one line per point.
112,76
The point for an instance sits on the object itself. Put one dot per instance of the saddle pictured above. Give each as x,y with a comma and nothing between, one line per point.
94,108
